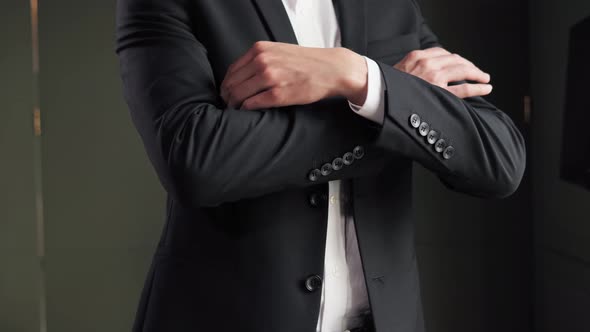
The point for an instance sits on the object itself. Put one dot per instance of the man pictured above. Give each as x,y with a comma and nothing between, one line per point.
284,134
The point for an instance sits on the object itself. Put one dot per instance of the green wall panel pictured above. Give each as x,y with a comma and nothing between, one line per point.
104,208
20,277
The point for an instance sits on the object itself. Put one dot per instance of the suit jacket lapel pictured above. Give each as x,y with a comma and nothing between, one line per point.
351,15
276,19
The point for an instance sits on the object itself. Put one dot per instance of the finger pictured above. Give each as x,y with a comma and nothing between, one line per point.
462,72
266,99
466,90
257,48
261,60
439,62
409,62
250,87
238,77
435,51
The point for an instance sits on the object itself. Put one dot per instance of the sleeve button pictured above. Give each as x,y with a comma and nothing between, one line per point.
415,120
358,152
348,158
326,169
432,136
314,174
424,128
337,163
440,145
449,152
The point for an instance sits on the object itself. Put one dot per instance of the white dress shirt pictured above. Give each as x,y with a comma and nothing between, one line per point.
344,295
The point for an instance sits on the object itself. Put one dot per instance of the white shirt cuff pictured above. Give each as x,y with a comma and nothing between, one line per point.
373,108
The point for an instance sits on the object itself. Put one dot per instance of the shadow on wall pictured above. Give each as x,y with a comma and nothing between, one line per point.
575,150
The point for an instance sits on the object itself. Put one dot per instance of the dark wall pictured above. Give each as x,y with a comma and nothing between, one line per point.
475,255
562,224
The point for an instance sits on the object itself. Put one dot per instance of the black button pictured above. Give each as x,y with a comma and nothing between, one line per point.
337,163
415,120
314,175
449,152
313,283
424,128
358,152
440,145
326,169
316,199
432,136
348,158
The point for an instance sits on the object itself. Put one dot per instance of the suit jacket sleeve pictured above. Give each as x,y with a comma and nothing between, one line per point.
489,151
205,153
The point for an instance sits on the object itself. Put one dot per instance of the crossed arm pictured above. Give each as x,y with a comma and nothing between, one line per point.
207,151
273,74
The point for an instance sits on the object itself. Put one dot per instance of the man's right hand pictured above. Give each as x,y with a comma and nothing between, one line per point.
274,74
439,67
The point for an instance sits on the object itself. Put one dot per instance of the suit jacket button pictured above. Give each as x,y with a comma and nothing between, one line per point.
440,145
326,169
315,199
424,128
337,163
313,283
432,136
314,174
449,152
358,152
348,158
415,120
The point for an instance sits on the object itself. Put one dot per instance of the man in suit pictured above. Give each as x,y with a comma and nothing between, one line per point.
284,133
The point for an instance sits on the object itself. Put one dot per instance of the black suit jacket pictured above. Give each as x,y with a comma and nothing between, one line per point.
246,223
